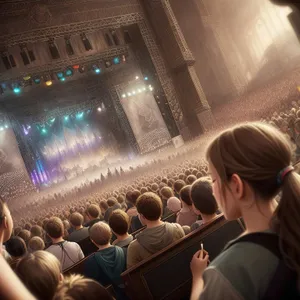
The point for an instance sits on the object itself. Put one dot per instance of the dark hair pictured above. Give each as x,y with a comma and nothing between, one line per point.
166,192
119,222
257,153
16,246
134,196
202,197
185,195
150,206
178,185
112,201
76,219
103,204
55,228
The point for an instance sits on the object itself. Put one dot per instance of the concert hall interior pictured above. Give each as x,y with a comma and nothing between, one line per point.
149,149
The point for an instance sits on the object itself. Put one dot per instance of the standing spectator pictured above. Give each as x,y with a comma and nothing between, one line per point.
80,233
94,215
157,234
68,253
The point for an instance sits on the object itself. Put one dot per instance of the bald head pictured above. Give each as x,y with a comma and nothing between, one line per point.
100,234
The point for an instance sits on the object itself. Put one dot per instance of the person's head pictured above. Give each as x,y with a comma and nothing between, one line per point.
202,197
191,178
35,244
93,211
55,228
103,206
37,230
166,193
134,196
16,247
249,166
119,222
100,234
178,185
185,195
40,273
6,223
25,235
186,229
149,207
111,201
174,204
76,219
76,287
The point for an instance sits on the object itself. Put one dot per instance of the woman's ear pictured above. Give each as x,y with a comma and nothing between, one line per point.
61,277
237,186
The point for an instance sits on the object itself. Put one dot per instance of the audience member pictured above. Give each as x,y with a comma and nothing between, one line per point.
68,253
76,287
157,234
80,233
249,165
204,203
178,185
166,193
40,273
25,235
37,230
174,205
94,215
119,224
16,248
107,264
186,216
35,244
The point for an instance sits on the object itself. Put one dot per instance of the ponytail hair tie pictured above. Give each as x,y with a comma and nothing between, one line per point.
281,175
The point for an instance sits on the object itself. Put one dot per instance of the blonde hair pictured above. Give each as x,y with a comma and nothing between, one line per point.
40,273
258,153
76,287
100,233
35,244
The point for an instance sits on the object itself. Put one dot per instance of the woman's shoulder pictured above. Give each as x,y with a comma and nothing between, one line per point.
246,262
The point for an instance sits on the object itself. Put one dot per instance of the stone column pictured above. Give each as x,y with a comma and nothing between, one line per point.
196,110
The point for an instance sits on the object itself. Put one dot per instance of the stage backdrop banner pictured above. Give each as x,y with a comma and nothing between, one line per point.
146,121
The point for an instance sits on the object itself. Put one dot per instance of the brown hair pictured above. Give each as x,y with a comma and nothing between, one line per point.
119,222
103,204
178,185
76,219
25,235
191,178
93,210
35,244
55,228
166,192
37,230
112,201
134,196
202,196
100,233
40,273
150,206
257,153
185,195
76,287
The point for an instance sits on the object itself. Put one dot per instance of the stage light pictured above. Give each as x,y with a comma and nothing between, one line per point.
123,58
63,79
66,118
17,90
69,72
129,94
37,80
146,78
139,90
6,126
49,82
79,116
44,130
1,128
96,69
144,89
76,67
26,78
99,109
60,75
124,96
116,60
137,77
133,92
52,120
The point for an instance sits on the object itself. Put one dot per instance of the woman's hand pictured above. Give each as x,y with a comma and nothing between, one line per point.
199,264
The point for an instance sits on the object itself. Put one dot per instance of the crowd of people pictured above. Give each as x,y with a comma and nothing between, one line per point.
245,169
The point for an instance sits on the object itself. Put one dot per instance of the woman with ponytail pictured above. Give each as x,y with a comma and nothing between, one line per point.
249,165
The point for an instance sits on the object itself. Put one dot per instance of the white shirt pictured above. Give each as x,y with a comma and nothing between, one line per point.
68,253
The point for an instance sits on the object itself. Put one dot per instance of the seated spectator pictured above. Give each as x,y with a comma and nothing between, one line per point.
25,235
35,244
76,287
16,248
119,224
157,234
107,264
80,232
204,203
40,273
68,253
249,165
93,214
166,193
186,215
177,186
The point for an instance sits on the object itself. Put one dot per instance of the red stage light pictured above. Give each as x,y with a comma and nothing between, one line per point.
76,67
